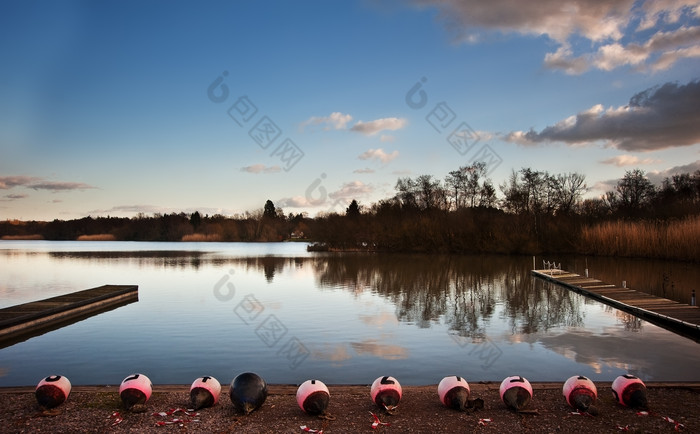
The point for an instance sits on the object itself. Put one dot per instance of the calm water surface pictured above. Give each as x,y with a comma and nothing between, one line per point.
220,309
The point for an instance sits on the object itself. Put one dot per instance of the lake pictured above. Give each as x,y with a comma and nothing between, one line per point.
344,318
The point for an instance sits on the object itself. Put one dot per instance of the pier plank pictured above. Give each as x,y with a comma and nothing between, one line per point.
678,317
51,313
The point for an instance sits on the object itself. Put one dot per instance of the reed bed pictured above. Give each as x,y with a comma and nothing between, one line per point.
675,239
97,237
201,237
23,237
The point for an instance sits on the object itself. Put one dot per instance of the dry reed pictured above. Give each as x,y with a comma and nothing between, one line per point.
23,237
202,237
676,239
97,237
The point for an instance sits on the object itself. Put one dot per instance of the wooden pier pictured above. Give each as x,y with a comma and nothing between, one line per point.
37,317
677,317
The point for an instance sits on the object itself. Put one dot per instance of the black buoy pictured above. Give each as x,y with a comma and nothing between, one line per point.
248,392
204,392
52,391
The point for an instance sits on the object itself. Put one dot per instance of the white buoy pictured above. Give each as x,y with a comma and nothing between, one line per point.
516,392
580,392
248,392
454,393
52,391
386,392
204,392
313,397
135,390
630,391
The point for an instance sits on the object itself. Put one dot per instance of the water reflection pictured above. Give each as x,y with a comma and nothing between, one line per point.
667,279
357,314
459,291
182,259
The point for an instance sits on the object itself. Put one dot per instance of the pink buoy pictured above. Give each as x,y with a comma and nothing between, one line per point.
516,392
204,392
580,392
454,392
135,390
313,397
630,391
52,391
386,392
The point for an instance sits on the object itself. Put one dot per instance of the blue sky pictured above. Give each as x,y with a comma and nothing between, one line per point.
114,108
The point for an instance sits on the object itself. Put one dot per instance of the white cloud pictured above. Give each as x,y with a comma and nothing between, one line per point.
669,10
335,121
378,154
386,138
365,170
373,127
661,117
628,160
260,168
670,57
293,202
558,19
604,24
615,55
351,190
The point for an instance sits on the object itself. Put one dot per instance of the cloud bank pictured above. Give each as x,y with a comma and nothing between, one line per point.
661,117
656,33
36,183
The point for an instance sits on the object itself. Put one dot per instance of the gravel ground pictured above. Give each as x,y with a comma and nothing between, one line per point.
93,408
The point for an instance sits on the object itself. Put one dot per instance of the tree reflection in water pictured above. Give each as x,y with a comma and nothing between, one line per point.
462,292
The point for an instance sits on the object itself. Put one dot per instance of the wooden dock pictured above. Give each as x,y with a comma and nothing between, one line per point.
37,317
677,317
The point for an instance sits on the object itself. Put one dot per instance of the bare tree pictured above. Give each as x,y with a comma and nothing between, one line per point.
569,188
634,190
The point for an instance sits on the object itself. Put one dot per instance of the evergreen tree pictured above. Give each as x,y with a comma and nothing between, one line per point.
269,210
353,210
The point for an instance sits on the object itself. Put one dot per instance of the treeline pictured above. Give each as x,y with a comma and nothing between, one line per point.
538,212
535,212
162,227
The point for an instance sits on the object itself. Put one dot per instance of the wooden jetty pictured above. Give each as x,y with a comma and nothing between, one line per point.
37,317
677,317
